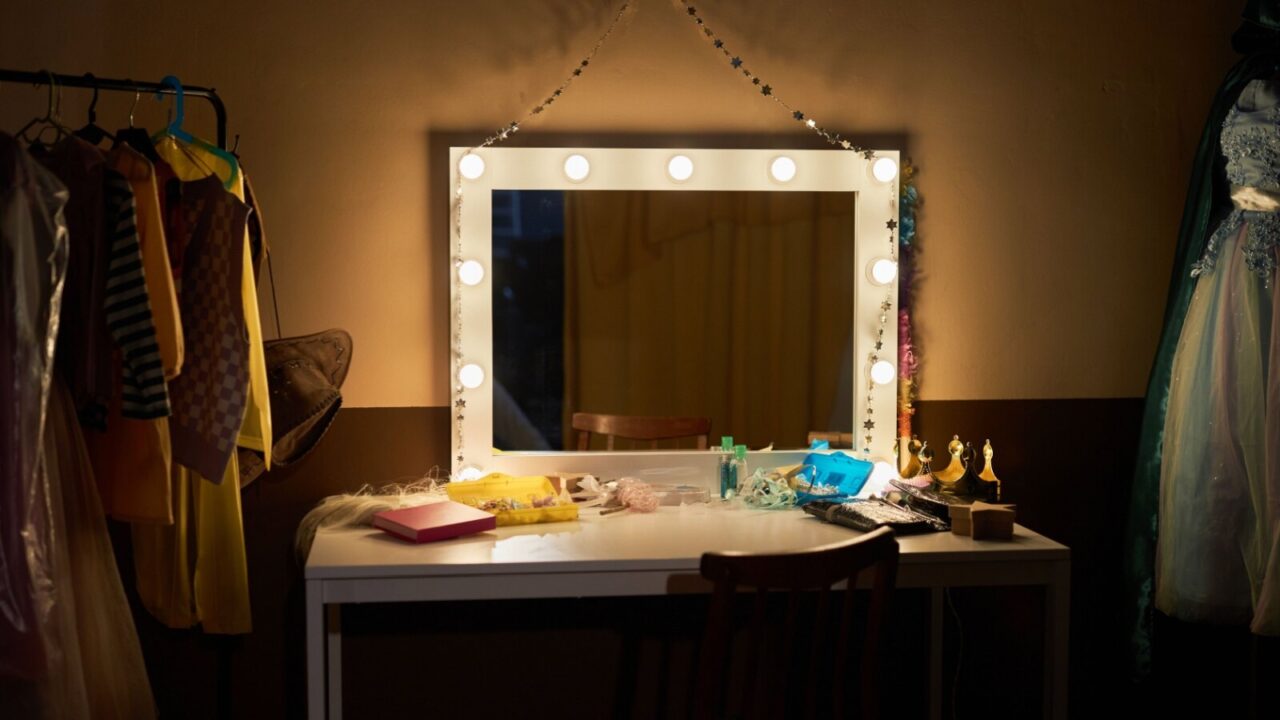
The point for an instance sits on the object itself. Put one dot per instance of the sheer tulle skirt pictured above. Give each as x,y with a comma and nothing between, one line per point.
1218,480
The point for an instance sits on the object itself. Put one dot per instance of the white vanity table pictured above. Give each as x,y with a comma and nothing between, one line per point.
636,554
658,554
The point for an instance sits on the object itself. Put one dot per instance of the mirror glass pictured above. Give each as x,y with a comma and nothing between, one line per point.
731,306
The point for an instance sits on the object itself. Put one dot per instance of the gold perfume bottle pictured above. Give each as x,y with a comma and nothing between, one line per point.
988,475
951,474
923,478
914,464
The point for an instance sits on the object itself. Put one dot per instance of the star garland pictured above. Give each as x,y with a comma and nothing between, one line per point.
886,307
736,63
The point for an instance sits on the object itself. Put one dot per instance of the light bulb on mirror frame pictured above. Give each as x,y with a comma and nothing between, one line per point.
471,376
576,168
783,169
467,472
470,272
882,271
680,168
471,166
884,169
882,372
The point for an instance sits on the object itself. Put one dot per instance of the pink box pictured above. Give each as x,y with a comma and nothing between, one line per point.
434,521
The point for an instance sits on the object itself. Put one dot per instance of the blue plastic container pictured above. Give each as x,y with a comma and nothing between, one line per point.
845,474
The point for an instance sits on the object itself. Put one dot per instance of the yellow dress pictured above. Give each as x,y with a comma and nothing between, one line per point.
216,594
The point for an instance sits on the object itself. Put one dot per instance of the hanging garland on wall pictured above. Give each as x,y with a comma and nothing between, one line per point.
907,360
765,89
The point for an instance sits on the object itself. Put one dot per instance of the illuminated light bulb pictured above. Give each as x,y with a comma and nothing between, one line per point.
882,372
471,166
680,168
883,271
885,169
468,472
471,376
783,169
881,473
576,168
471,272
811,123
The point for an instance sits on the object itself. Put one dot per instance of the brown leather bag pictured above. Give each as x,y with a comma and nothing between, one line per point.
305,375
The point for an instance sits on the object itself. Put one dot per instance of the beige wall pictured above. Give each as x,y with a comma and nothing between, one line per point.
1054,141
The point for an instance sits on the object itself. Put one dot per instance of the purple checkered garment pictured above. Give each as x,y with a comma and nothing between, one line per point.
209,397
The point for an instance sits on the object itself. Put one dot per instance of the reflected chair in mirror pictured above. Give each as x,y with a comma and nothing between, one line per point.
834,439
640,428
798,666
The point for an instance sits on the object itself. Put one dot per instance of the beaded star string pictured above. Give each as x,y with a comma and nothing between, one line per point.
736,62
886,306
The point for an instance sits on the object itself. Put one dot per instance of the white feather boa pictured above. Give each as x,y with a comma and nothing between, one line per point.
359,507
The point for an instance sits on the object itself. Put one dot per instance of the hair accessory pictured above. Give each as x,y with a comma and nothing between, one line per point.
637,495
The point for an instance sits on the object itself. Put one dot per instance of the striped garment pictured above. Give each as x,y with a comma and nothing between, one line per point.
128,309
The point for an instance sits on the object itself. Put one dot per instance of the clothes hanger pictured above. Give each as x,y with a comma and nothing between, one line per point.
93,133
176,131
136,137
50,119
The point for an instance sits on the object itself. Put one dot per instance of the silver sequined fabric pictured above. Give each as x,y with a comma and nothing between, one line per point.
1251,144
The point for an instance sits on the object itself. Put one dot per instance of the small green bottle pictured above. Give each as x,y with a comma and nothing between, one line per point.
724,468
740,474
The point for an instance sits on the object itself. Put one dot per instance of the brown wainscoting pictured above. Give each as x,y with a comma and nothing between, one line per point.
1066,463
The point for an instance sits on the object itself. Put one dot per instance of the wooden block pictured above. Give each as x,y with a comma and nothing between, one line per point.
991,522
961,524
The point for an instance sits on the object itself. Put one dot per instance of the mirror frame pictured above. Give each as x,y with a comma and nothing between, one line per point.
471,317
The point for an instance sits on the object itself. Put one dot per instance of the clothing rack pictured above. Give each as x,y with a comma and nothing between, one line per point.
87,80
90,81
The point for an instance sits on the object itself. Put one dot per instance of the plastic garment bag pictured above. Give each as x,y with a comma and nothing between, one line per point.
33,263
68,646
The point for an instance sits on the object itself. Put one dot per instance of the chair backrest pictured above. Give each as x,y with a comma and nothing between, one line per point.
820,665
640,428
834,439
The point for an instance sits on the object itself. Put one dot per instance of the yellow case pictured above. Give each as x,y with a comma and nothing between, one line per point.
496,486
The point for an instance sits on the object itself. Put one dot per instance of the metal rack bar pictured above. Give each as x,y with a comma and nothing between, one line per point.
86,81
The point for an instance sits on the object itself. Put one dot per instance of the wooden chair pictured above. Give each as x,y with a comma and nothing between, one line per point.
834,439
640,428
765,690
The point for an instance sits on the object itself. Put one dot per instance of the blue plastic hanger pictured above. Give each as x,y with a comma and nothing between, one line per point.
175,130
179,111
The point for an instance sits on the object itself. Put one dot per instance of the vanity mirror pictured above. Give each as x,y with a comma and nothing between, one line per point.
753,288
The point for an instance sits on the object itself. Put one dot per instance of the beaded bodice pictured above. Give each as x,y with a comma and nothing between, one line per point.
1251,145
1251,137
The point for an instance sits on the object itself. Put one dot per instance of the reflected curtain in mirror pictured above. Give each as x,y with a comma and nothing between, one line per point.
735,306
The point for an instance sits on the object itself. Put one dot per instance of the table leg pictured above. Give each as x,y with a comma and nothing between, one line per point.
334,655
1057,630
935,652
315,651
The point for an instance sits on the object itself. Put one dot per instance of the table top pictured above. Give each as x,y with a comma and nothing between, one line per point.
669,539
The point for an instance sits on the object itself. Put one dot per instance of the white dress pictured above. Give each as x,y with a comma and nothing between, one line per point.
1220,472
